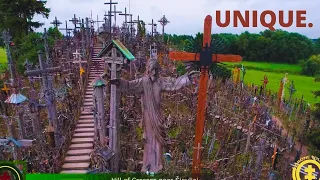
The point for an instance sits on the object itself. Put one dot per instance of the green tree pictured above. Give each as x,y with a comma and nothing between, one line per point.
311,67
317,46
17,16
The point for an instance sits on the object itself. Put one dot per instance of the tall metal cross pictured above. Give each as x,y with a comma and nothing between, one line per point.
56,22
205,58
152,25
110,20
49,95
163,21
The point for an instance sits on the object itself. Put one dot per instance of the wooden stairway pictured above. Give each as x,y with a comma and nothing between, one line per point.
78,156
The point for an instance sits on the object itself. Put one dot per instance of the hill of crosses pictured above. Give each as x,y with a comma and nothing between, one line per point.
116,99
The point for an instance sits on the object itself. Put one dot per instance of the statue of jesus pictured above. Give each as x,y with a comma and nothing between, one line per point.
150,87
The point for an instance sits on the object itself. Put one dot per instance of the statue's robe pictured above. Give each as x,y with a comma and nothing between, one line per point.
153,122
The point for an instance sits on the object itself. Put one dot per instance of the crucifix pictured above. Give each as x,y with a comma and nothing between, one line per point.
67,29
115,12
77,55
205,59
44,71
163,21
56,22
110,20
152,25
74,20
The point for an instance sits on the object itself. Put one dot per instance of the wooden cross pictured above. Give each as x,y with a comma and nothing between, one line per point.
77,55
265,82
56,22
153,50
115,12
163,21
5,89
152,25
110,20
97,21
74,20
132,23
49,95
67,29
125,15
205,58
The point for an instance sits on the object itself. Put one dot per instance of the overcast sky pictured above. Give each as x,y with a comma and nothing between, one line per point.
185,16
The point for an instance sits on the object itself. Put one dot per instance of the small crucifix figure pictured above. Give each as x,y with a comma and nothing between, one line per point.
205,59
163,21
49,95
56,22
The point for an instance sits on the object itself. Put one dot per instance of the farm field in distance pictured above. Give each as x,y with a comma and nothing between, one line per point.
304,85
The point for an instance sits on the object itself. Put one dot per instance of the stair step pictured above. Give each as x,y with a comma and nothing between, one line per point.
82,135
74,172
81,146
86,117
76,166
85,125
83,130
85,113
71,159
79,152
85,121
88,104
81,140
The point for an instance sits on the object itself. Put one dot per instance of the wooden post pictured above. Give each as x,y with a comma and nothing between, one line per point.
100,123
114,142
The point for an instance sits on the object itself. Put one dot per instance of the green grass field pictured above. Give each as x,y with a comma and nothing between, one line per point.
270,67
304,85
3,57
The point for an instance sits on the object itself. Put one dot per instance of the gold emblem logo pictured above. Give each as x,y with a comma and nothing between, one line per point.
306,168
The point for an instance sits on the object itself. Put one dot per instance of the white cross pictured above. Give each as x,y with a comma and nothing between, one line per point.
198,148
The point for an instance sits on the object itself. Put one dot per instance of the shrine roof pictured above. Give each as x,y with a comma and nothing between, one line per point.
120,47
98,82
16,99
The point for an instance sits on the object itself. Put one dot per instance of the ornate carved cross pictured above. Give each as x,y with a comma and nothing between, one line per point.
163,21
152,25
205,58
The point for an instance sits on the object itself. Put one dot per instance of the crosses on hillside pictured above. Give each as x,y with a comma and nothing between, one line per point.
205,59
115,12
75,21
125,15
110,20
66,29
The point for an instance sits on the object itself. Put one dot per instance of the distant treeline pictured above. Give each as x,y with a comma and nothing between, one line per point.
267,46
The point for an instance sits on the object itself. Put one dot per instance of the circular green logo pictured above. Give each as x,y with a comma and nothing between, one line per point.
9,171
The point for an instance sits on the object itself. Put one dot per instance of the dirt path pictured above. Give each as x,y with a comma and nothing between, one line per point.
297,143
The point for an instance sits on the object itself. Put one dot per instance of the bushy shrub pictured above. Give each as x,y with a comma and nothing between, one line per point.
311,67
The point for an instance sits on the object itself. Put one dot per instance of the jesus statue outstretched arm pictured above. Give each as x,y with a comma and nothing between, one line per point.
134,86
174,84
